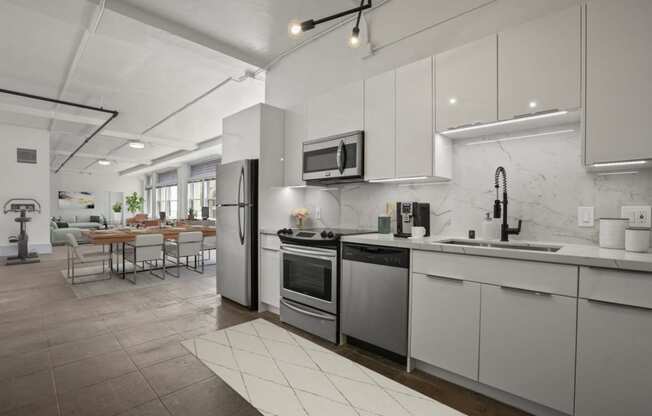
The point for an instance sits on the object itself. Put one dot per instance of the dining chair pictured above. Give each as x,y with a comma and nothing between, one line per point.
188,244
77,257
210,243
146,249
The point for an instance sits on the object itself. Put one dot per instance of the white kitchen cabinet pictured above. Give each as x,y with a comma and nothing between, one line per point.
414,124
614,360
380,126
618,87
270,270
446,323
295,133
337,111
241,135
527,345
466,84
539,65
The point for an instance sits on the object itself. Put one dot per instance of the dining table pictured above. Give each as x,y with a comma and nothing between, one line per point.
119,237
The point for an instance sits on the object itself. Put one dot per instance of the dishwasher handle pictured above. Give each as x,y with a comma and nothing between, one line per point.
381,255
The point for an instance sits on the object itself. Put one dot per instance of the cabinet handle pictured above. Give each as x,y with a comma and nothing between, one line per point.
531,292
622,305
449,279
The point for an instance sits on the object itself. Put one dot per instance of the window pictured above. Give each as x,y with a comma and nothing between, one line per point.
202,194
166,200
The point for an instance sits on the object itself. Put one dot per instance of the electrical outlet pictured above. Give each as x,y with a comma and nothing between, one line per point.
639,215
585,216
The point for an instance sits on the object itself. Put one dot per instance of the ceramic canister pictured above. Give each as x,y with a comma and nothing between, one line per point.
612,232
637,239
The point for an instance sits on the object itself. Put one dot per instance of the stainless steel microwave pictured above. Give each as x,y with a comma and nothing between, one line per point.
338,158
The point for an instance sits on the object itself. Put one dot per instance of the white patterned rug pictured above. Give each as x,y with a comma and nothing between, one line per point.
283,374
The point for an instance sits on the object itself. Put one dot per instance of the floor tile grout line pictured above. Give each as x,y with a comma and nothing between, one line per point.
54,384
244,383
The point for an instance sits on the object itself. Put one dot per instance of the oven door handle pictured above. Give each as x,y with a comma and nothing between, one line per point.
301,311
308,253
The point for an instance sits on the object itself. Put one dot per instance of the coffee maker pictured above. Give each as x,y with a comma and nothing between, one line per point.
412,214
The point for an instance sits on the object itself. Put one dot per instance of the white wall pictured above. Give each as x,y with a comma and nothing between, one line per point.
101,185
19,180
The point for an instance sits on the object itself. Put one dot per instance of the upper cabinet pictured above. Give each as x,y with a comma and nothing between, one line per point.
380,126
618,83
539,64
414,124
466,90
337,111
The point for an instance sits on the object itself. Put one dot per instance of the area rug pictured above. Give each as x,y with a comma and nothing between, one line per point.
283,374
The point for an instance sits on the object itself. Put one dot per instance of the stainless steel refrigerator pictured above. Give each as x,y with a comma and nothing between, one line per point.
236,225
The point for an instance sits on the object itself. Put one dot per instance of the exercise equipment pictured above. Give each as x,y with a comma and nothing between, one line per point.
22,206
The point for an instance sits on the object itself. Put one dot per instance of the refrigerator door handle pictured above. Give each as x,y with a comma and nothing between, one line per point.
240,204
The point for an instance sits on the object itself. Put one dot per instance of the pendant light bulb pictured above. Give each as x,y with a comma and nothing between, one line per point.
354,40
294,29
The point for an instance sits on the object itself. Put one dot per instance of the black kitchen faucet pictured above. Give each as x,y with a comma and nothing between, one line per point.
505,229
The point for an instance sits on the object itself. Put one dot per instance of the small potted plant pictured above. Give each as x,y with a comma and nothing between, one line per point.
135,203
191,214
117,212
300,215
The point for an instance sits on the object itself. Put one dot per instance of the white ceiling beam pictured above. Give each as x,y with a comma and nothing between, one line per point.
98,156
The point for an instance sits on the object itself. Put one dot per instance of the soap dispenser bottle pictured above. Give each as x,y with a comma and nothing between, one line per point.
490,228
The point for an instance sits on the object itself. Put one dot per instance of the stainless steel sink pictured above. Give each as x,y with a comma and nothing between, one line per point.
510,246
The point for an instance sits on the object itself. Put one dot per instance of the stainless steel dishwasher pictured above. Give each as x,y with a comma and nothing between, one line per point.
374,295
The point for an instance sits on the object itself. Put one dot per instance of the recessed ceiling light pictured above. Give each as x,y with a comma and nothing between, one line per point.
453,100
136,144
104,162
533,104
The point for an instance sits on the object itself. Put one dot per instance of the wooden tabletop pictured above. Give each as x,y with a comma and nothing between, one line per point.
122,235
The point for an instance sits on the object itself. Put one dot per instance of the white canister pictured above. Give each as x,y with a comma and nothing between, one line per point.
637,239
612,232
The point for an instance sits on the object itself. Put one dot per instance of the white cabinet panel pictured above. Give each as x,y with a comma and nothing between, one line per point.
270,277
414,124
618,83
380,126
295,133
466,84
539,65
241,135
527,345
614,360
445,323
337,111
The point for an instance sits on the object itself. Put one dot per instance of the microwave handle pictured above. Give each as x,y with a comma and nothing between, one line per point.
340,156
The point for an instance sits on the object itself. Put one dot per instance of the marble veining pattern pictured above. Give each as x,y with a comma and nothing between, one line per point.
283,374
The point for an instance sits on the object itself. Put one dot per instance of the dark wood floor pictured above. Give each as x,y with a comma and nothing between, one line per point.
120,354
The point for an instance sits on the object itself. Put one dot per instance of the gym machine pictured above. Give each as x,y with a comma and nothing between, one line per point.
22,206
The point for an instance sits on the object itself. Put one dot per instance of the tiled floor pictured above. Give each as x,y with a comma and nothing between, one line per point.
121,354
284,374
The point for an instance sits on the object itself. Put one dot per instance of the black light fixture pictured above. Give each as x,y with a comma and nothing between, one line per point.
297,28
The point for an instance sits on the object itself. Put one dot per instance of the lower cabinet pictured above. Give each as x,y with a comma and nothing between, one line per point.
614,359
527,345
446,323
270,277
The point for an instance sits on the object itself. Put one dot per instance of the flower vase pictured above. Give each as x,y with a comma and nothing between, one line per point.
299,222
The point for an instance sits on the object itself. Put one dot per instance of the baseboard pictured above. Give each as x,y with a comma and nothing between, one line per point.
12,250
496,394
269,308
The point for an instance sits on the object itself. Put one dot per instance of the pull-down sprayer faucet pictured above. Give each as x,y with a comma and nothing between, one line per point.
505,230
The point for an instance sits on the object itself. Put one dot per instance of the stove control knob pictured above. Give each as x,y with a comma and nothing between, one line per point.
330,234
289,231
324,234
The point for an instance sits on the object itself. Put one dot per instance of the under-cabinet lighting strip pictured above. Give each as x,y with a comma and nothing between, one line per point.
415,178
505,122
528,136
631,172
611,164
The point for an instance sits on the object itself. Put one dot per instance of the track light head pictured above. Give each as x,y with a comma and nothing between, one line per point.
354,40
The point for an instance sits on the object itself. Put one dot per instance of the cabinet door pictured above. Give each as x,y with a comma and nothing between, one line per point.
614,360
295,134
446,323
414,129
380,126
241,135
618,86
467,84
539,65
270,277
527,345
337,111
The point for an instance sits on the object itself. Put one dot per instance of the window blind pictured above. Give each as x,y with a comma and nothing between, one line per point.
204,170
167,178
148,182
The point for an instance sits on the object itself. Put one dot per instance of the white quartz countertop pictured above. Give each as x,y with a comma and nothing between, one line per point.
269,231
576,254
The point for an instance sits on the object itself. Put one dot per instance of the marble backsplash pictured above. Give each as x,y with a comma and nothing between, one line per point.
546,184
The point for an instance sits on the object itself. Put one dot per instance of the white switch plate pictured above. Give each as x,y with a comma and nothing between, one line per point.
585,216
639,215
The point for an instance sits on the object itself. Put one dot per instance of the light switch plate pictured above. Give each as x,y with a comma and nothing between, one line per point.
639,215
585,216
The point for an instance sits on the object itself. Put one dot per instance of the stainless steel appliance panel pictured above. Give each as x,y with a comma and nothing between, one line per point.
375,296
311,320
340,156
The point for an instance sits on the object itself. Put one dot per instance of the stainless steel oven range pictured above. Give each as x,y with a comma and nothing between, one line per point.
310,278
